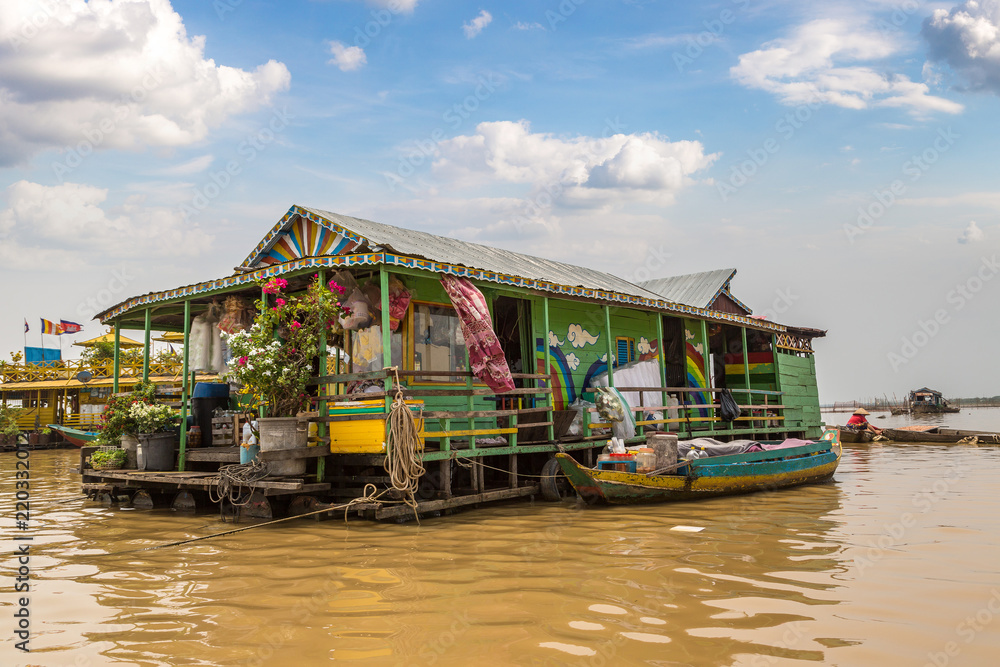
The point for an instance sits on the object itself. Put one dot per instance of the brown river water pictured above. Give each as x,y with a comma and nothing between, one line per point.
896,562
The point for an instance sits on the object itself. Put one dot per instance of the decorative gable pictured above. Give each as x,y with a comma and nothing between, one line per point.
298,236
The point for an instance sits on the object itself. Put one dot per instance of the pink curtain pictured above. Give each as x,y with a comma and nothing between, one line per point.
485,355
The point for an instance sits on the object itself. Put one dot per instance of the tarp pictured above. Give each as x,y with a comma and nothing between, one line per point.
42,356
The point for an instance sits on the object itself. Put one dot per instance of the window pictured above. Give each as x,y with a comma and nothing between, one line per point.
625,350
436,342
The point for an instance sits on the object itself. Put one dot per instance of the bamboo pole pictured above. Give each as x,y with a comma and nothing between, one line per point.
182,458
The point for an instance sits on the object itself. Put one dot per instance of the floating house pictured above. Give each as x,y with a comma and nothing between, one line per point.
925,400
669,345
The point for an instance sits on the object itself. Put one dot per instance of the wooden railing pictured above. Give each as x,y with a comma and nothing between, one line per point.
760,414
68,370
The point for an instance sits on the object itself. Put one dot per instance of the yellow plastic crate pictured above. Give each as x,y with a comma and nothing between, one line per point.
364,436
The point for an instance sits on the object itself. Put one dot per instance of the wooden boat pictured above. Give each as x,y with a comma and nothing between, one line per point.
74,436
712,476
854,436
939,435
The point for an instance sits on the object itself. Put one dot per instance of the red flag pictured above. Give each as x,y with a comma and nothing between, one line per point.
70,327
26,326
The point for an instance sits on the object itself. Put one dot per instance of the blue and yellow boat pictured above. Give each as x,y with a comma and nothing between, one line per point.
712,476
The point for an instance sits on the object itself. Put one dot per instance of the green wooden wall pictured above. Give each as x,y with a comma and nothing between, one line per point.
797,378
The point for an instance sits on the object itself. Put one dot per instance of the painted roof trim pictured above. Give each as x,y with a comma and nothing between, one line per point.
286,223
372,259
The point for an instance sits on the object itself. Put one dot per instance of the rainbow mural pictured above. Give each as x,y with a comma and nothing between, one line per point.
563,389
306,239
695,370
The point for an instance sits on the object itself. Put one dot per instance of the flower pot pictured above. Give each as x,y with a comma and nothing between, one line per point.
156,451
280,433
33,438
130,444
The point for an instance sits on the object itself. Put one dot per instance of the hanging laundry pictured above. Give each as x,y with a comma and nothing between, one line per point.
485,354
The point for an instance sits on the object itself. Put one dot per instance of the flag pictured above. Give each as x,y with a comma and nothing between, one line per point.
49,327
69,327
26,326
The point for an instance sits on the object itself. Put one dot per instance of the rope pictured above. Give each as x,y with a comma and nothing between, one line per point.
233,479
402,460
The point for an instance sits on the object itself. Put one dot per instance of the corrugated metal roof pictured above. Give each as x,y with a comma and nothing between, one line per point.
413,243
694,289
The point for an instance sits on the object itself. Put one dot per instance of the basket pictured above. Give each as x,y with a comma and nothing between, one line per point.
106,466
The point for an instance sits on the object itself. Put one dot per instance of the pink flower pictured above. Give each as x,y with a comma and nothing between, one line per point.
242,361
279,301
334,287
296,325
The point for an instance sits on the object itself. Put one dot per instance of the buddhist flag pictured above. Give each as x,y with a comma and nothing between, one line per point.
69,327
50,327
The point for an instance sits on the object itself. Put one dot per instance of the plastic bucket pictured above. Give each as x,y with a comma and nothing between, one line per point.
156,451
281,433
248,453
130,444
202,407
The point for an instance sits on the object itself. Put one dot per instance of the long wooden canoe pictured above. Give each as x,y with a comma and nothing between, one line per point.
74,436
712,476
854,436
946,436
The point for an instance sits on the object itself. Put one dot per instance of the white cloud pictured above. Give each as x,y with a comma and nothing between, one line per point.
521,25
476,25
114,74
554,340
396,6
347,58
73,220
972,233
826,61
968,38
580,337
574,170
194,166
572,361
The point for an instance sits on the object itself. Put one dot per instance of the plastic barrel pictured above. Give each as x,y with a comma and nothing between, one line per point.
206,398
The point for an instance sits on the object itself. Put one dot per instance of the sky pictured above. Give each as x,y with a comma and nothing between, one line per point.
841,156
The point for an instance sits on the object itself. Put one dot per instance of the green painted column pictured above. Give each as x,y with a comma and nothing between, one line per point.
551,402
706,358
262,409
118,356
321,427
182,459
145,349
383,277
609,345
661,349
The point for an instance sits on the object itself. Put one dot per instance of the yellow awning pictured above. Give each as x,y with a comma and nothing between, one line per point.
125,342
171,337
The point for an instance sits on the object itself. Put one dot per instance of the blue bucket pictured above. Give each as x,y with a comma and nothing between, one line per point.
248,453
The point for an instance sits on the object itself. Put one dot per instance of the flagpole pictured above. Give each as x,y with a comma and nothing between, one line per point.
26,340
41,341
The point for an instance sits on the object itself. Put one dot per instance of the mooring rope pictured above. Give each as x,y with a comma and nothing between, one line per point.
233,479
403,461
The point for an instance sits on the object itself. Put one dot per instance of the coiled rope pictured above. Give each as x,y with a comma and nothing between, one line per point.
402,459
238,482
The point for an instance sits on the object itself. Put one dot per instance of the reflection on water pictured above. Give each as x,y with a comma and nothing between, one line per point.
882,566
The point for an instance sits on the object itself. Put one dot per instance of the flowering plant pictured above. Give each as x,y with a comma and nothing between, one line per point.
273,360
149,418
116,420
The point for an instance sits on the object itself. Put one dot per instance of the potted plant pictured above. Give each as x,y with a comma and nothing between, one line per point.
273,360
110,459
156,442
8,424
117,427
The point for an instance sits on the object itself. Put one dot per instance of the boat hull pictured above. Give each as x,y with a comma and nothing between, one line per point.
74,436
903,435
852,436
724,476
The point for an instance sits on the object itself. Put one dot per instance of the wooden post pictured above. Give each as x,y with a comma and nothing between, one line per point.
661,348
746,370
145,349
609,345
707,361
182,458
551,401
321,429
383,277
118,356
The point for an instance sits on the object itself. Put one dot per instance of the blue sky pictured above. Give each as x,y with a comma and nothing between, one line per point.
840,157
